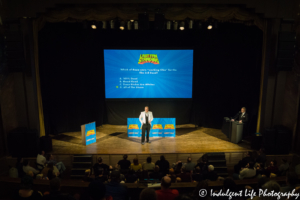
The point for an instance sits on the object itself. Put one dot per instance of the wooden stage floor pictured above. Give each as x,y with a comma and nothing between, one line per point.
112,139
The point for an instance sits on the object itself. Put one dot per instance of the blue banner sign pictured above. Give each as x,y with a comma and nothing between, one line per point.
88,133
160,127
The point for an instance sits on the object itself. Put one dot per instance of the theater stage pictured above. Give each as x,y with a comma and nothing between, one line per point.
112,139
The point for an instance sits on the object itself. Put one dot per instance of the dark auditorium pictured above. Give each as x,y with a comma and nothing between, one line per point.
149,100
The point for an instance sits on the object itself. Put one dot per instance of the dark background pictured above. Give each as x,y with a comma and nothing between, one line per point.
227,64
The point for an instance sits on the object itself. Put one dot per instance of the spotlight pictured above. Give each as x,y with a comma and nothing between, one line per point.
94,25
136,25
168,25
209,27
175,26
112,24
129,25
191,24
181,26
122,24
103,24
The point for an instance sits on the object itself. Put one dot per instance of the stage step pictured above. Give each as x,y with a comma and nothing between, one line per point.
83,158
85,165
216,156
218,160
80,164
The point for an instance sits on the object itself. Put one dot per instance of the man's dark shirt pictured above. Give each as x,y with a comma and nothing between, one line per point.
239,117
116,190
164,165
124,164
98,167
203,166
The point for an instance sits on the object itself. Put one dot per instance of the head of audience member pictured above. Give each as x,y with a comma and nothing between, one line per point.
171,171
156,168
49,157
184,197
202,185
249,154
178,179
273,163
148,194
146,108
179,165
204,158
125,157
55,184
162,158
262,181
270,186
243,109
211,168
100,160
259,166
50,174
149,159
165,182
198,170
291,178
250,165
261,151
115,176
30,173
26,182
135,161
42,152
97,190
25,162
229,184
189,160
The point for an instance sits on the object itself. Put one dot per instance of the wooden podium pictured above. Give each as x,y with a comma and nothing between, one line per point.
233,130
236,132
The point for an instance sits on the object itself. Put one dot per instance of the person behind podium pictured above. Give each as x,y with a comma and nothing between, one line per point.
241,116
146,119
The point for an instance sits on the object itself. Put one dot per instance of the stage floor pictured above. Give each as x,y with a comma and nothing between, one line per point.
112,139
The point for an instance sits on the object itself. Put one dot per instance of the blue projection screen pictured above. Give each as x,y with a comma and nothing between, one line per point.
148,73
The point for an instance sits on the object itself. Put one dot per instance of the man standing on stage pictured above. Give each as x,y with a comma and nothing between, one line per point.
241,116
146,119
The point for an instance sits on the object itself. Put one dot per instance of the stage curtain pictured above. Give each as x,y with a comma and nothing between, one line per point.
196,12
108,12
